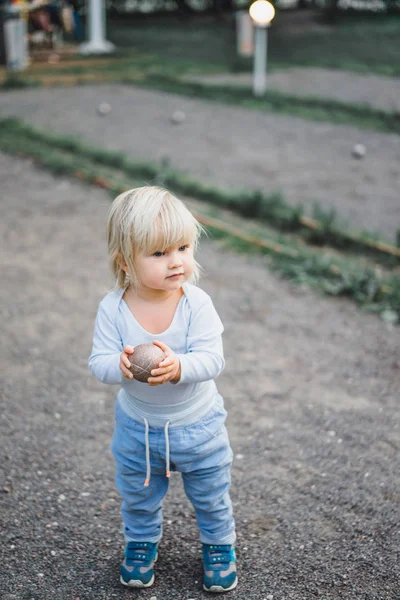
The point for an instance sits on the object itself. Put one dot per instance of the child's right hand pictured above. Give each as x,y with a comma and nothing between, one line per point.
124,363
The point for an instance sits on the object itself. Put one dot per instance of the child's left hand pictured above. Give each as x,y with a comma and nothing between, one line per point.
169,368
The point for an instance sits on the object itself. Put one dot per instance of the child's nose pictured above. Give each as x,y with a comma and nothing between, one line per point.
176,260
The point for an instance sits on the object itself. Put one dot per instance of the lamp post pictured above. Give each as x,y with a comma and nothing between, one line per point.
262,12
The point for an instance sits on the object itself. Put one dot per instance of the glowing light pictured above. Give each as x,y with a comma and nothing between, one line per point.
262,12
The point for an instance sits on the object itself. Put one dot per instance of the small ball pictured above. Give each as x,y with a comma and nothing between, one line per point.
177,117
104,108
145,358
359,151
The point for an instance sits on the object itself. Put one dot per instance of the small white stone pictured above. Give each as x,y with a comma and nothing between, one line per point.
177,117
104,109
61,498
40,574
239,456
269,597
359,151
301,547
332,433
53,553
169,521
57,416
12,547
85,494
366,474
153,598
340,441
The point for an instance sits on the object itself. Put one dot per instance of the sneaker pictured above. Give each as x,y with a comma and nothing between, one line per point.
137,570
219,568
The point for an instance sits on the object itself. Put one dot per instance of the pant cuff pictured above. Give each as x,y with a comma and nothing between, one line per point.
230,539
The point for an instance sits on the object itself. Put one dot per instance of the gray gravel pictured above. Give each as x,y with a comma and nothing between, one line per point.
311,386
231,147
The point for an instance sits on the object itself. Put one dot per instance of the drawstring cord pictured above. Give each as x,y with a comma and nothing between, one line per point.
147,444
146,436
168,472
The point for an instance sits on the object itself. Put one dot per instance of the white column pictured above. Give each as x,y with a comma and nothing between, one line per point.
16,38
97,43
244,34
260,61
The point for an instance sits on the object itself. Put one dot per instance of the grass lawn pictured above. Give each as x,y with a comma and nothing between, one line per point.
353,43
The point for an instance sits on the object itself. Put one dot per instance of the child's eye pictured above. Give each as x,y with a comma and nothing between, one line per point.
158,254
183,248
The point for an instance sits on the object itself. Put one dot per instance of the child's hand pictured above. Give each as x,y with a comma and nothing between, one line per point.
124,363
169,368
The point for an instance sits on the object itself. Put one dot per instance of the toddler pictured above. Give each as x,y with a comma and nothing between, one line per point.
175,422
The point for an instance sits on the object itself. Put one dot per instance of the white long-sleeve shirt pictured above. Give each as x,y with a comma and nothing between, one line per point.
194,335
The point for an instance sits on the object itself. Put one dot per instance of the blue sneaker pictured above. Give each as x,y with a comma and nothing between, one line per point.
219,568
137,570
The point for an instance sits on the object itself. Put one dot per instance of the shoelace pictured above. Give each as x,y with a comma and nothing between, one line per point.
138,552
219,554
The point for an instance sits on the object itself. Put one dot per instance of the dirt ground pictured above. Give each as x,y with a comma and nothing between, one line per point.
311,386
232,148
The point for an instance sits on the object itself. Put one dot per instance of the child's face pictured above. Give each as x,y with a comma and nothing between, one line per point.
165,270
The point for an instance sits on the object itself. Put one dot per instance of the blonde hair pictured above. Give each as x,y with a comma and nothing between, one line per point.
146,220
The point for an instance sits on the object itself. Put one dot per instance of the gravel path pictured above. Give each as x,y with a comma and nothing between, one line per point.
311,386
231,147
375,91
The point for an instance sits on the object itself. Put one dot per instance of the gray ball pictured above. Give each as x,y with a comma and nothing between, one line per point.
177,117
359,151
103,109
145,358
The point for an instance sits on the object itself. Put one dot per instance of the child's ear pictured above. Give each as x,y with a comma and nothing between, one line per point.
121,262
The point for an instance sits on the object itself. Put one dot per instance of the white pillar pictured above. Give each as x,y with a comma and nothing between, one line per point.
244,34
97,43
16,43
260,61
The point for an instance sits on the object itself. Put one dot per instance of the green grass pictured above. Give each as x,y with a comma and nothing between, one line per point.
356,44
148,71
313,109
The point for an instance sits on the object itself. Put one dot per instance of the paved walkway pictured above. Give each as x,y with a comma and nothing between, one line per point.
232,148
371,90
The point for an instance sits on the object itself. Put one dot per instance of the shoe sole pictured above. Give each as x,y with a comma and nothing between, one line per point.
136,583
218,589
